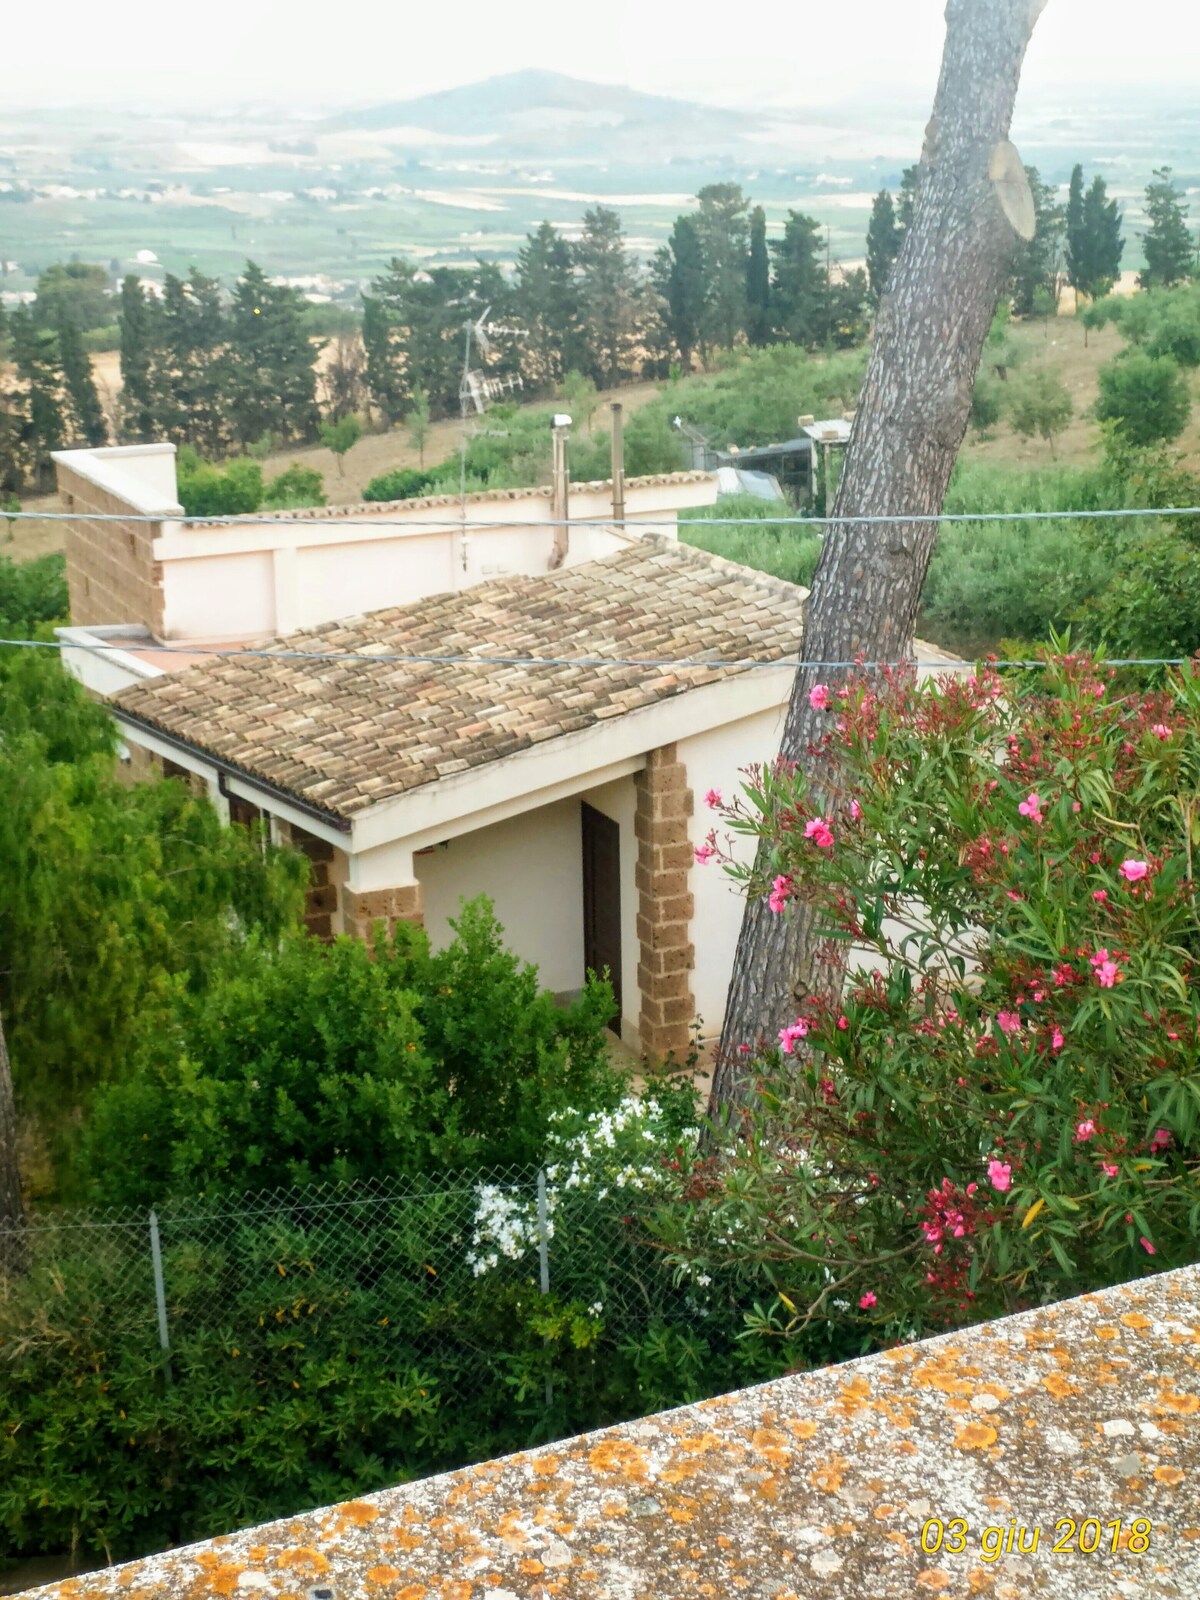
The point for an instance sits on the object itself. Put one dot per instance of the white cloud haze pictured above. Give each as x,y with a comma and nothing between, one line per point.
135,53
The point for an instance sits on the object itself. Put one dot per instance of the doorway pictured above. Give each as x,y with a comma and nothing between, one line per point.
602,901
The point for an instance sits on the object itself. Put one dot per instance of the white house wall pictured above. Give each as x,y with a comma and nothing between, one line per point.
531,868
715,760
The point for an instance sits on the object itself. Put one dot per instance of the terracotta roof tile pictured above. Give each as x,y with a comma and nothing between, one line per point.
343,735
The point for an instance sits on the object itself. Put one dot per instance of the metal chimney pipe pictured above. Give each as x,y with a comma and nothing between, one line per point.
560,489
618,464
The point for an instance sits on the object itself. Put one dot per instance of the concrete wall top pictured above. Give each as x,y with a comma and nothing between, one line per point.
817,1485
142,475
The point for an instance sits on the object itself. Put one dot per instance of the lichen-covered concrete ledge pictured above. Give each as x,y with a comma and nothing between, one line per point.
814,1486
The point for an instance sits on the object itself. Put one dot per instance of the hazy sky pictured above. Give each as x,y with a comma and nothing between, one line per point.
144,52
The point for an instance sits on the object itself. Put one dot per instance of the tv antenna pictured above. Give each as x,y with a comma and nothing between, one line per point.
477,390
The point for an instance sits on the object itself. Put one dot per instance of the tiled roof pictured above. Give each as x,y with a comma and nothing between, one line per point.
343,735
478,499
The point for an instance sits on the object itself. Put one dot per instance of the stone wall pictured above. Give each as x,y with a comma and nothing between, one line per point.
321,902
361,910
111,572
925,1470
666,954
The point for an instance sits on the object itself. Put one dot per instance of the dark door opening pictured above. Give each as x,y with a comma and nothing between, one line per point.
602,901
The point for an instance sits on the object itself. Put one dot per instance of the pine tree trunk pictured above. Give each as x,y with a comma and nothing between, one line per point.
12,1204
911,418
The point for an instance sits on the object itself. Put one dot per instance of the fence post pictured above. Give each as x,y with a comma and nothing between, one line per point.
160,1294
544,1260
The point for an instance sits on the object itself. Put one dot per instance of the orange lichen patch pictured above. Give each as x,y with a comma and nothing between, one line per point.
1183,1405
1168,1475
979,1581
1136,1321
456,1589
1058,1386
222,1577
303,1558
679,1514
933,1578
402,1539
531,1567
386,1574
547,1466
772,1446
257,1552
827,1475
802,1430
619,1455
975,1436
357,1514
1106,1332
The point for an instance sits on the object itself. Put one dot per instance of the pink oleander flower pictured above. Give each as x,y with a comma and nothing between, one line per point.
780,890
855,811
819,831
1032,808
1100,896
1106,969
1109,1168
1084,1130
1056,1039
1009,1021
999,1175
1161,731
713,799
1159,1139
704,852
1134,871
843,1023
789,1035
868,1302
819,697
1146,1245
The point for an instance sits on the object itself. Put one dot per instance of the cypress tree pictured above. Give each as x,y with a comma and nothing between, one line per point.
137,337
758,281
42,422
547,301
1077,250
883,242
1166,243
88,424
800,287
679,271
271,381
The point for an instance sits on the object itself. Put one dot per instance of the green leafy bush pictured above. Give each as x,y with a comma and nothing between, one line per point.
1003,1107
295,488
787,552
32,593
1145,397
336,1062
405,483
207,491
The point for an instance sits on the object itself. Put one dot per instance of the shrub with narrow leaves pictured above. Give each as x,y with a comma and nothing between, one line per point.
1002,1104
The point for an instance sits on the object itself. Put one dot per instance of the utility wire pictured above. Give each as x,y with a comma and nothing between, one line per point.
450,521
376,658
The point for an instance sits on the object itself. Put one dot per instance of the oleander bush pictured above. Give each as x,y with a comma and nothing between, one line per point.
1002,1106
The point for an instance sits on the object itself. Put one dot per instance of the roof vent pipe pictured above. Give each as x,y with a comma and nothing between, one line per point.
618,464
559,487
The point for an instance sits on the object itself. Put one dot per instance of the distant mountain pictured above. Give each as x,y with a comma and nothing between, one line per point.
546,114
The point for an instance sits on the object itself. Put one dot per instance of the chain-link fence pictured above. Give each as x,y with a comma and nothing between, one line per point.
474,1291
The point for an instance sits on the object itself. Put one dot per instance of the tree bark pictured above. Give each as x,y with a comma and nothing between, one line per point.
12,1203
911,418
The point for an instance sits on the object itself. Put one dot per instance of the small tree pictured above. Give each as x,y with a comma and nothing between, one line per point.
341,436
987,403
1040,406
883,242
1145,397
1167,244
580,395
417,423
